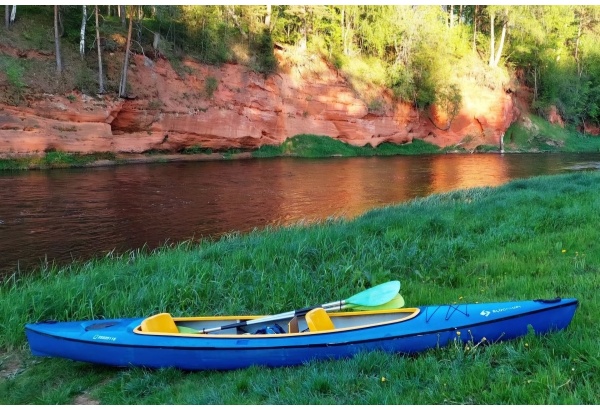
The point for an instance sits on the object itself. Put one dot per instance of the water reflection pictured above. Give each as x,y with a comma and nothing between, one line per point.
67,215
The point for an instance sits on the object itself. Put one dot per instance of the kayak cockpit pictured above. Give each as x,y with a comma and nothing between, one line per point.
317,320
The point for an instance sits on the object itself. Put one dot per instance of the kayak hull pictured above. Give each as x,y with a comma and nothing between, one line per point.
120,342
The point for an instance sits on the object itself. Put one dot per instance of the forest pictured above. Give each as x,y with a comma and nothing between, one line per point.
421,53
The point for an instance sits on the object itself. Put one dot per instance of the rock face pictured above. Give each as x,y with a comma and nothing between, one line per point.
233,107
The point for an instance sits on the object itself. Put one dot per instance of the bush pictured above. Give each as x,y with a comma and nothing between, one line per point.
265,59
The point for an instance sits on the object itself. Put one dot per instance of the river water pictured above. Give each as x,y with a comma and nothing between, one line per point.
65,215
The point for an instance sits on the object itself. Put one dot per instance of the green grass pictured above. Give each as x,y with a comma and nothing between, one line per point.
543,136
535,238
315,146
54,159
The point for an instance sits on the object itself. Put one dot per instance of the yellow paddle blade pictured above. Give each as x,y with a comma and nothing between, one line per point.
396,303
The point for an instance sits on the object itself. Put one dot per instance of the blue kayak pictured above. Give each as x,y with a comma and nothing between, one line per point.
163,341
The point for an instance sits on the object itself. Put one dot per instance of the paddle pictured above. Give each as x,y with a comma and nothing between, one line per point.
395,303
375,296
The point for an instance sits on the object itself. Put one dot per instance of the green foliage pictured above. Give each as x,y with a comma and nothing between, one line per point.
71,23
448,99
266,62
402,83
14,73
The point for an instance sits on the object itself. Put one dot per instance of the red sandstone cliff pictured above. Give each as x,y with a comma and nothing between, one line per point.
247,110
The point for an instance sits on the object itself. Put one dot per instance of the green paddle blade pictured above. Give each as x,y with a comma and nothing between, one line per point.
377,295
396,303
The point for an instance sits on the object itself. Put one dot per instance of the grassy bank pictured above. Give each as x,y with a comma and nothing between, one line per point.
540,135
55,159
535,238
315,146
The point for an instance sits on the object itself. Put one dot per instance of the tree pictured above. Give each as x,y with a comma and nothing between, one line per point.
82,36
299,16
9,17
100,75
122,15
496,54
123,83
236,20
268,17
57,42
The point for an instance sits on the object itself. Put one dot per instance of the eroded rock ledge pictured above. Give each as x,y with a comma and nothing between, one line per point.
172,111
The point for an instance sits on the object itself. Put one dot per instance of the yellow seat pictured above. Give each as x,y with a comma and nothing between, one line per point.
318,320
160,323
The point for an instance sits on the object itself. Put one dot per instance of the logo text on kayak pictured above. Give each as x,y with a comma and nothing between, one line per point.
486,313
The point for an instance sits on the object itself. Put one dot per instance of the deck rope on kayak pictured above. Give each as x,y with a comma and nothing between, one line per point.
449,312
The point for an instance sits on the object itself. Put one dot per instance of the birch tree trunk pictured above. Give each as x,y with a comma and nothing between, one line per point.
501,45
13,15
304,29
123,84
82,35
268,17
57,42
100,75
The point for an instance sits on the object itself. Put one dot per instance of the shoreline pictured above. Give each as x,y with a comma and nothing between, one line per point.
132,159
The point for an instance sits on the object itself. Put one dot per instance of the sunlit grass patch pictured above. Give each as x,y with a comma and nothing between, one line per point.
315,146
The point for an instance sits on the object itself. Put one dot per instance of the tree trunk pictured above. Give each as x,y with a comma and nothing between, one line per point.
451,16
13,14
501,45
304,30
268,17
7,16
492,45
123,84
82,36
122,15
57,42
100,75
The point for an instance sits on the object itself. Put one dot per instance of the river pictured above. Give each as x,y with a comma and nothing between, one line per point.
66,215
